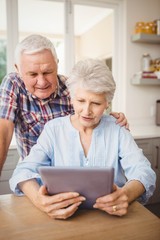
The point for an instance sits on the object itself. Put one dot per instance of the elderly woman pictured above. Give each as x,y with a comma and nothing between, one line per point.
97,141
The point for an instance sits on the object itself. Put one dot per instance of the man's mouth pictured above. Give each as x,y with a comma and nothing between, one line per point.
42,89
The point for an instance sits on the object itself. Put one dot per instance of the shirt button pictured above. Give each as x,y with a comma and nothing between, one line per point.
87,161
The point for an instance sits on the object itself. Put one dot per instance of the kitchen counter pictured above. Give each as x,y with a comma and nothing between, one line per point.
13,144
138,132
150,131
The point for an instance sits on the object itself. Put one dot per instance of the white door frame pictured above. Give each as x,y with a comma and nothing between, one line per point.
118,65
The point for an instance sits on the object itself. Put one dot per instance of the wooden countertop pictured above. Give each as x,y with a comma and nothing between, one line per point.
20,220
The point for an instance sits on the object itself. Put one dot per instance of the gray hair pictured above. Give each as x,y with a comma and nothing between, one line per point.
33,44
92,75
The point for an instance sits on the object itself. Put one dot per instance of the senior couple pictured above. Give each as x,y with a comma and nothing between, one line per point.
36,96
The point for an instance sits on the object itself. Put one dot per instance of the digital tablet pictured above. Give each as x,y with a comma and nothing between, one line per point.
90,182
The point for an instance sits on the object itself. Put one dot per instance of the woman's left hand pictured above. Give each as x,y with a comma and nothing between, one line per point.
115,203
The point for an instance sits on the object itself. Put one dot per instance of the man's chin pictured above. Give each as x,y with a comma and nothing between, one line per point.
42,96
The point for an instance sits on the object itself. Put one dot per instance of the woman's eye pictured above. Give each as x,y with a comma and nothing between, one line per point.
96,103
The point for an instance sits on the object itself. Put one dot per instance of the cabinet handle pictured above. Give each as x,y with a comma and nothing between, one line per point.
157,157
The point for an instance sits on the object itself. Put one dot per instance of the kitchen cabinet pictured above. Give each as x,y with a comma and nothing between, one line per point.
9,166
145,38
151,149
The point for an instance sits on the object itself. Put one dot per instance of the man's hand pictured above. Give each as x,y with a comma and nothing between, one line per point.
121,119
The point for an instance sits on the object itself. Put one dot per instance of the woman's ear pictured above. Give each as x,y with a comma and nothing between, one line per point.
108,108
107,105
16,68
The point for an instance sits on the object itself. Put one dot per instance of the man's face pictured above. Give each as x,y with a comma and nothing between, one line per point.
39,73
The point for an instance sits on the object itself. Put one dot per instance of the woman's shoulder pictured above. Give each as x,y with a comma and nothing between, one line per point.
108,119
109,123
58,122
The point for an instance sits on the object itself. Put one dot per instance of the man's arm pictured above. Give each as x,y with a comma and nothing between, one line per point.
6,132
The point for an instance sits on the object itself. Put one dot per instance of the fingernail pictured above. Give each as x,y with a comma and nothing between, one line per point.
75,194
79,203
82,199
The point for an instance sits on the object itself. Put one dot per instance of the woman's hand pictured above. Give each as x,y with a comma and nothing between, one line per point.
59,206
121,119
115,203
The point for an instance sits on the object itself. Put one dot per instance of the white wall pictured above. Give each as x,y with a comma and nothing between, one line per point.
98,41
140,101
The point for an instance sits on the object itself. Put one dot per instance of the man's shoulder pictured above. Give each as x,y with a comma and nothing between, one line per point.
62,78
11,79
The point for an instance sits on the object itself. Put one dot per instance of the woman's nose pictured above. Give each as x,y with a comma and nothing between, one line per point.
87,110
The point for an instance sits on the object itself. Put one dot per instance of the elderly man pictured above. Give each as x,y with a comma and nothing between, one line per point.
33,95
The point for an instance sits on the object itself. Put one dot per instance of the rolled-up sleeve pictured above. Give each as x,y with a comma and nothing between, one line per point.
135,165
40,155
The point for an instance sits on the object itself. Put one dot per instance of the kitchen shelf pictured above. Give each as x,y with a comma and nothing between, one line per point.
145,81
146,38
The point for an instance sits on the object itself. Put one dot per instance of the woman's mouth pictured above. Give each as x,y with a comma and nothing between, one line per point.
87,118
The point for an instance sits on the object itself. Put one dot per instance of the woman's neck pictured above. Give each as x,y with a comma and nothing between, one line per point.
85,133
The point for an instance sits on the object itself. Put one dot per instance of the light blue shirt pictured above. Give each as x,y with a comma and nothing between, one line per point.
111,145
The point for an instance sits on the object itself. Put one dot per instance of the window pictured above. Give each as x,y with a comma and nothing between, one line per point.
2,39
78,28
45,18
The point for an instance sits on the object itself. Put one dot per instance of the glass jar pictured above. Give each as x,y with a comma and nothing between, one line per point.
146,62
140,27
150,28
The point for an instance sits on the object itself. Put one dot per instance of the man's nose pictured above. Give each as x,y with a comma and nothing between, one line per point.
41,79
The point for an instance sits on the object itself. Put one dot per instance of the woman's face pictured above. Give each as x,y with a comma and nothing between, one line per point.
89,107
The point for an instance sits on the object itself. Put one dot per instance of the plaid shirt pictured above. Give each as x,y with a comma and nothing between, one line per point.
29,113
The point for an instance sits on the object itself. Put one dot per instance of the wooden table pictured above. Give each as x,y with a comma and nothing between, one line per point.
20,220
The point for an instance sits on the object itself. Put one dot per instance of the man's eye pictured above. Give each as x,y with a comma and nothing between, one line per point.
33,74
47,73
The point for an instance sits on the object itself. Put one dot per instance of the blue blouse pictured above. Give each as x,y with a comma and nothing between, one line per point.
111,145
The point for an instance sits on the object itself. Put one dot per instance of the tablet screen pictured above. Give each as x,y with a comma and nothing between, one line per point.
90,182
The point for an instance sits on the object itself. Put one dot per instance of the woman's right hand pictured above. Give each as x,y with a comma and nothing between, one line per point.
59,206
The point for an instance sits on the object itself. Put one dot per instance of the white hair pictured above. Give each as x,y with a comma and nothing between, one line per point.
92,75
33,44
